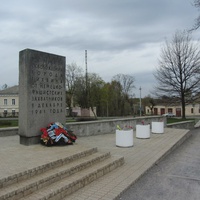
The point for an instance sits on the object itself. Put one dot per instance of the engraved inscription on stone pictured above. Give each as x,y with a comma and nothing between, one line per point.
41,92
46,90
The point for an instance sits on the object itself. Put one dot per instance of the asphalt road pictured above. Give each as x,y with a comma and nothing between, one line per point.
176,177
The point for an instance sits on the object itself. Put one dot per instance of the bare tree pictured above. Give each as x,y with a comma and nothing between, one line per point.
126,81
149,102
5,86
197,20
127,84
73,72
95,87
178,72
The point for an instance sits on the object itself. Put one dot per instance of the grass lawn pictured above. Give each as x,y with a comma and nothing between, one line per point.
174,120
8,123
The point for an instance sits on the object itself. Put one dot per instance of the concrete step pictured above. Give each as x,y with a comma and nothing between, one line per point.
28,181
41,178
60,189
16,178
28,186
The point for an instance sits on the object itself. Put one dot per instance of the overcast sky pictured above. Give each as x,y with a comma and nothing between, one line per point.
120,36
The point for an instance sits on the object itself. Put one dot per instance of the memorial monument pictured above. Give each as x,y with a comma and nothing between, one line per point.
41,93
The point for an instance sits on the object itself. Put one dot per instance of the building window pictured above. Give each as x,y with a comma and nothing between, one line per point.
170,110
162,111
5,101
5,112
13,112
13,101
192,110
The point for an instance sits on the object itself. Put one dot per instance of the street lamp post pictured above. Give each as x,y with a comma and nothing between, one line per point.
140,102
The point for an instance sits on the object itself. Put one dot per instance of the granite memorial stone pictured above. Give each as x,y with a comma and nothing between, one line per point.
41,93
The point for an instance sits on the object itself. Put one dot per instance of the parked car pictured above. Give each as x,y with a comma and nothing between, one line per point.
169,115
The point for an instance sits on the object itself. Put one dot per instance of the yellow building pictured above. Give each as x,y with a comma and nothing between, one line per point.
9,102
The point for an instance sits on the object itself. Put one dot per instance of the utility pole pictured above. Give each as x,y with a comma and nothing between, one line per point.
140,102
86,79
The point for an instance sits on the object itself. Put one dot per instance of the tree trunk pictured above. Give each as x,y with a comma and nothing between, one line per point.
183,105
95,116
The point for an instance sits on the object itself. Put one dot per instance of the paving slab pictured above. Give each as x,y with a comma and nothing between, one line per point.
144,154
177,176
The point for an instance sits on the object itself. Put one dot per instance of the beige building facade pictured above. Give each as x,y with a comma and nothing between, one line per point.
9,102
190,110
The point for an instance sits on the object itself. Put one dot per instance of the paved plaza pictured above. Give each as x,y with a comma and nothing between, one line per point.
176,177
144,154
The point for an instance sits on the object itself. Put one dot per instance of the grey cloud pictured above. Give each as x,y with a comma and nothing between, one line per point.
120,29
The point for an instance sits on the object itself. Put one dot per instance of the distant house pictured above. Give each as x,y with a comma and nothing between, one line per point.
82,112
9,102
190,110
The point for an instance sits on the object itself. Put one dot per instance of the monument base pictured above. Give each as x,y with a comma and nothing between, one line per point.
29,140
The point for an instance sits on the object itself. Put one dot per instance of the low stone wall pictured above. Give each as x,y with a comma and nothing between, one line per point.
8,131
97,127
182,125
107,126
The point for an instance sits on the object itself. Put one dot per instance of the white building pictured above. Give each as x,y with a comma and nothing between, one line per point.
9,102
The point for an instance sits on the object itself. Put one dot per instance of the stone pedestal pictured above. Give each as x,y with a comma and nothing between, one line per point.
41,93
124,138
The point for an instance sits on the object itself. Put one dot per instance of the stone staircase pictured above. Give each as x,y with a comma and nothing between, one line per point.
59,178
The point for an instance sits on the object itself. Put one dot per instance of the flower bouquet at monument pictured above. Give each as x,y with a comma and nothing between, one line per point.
57,134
